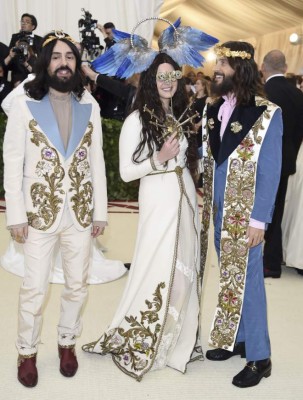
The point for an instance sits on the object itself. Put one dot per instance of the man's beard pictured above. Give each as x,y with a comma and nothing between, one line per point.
64,84
223,88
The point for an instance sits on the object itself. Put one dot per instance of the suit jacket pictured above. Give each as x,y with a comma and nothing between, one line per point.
290,99
41,178
269,162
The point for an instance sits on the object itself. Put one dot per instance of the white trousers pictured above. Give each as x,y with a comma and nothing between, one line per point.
38,251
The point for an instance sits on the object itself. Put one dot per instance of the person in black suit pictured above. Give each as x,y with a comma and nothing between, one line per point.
290,99
28,25
23,50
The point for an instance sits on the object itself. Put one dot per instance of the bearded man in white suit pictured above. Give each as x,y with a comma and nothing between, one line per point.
55,190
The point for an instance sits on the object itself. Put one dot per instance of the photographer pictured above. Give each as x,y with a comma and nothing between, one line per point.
20,61
24,48
107,31
28,24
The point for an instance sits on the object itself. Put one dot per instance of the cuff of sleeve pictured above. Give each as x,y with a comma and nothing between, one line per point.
101,224
256,224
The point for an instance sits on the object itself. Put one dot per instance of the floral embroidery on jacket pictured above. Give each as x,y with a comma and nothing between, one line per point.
45,197
82,197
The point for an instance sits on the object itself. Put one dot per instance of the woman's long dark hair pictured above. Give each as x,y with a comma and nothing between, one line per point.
246,79
147,95
39,87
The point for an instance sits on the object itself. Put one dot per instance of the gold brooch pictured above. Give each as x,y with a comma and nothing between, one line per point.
236,127
211,123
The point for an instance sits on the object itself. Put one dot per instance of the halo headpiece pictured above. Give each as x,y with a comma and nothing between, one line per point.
131,53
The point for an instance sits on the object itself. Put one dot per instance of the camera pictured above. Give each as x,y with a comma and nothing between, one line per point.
21,51
24,40
89,40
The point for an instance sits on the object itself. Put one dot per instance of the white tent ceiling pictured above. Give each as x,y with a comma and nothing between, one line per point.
235,19
264,23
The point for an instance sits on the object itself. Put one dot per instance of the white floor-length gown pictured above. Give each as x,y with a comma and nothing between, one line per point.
157,321
292,226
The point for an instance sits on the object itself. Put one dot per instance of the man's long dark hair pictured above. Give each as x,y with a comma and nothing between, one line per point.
147,94
246,79
39,86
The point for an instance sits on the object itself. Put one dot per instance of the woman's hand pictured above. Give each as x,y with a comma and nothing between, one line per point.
169,150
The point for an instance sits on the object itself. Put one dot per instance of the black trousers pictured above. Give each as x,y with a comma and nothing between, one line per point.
273,252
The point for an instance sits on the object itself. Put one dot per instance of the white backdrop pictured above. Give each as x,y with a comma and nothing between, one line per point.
65,14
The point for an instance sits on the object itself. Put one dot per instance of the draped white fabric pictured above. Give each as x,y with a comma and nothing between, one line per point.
65,14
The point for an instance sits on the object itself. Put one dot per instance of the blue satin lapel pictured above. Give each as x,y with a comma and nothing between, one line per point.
81,116
43,113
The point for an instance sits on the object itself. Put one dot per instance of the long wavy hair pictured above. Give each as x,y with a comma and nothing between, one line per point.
39,86
147,94
246,79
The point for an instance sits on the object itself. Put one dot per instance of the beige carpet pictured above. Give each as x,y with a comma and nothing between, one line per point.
99,379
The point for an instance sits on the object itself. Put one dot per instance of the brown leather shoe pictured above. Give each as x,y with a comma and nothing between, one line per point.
68,360
27,370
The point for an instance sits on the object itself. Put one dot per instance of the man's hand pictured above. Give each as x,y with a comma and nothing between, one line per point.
89,72
255,236
19,234
169,150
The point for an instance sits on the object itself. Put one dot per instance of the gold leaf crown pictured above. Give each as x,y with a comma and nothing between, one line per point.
58,34
226,52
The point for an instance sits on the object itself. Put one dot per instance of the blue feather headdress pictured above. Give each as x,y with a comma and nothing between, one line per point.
131,54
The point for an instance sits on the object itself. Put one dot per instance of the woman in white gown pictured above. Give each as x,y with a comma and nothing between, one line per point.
292,226
157,321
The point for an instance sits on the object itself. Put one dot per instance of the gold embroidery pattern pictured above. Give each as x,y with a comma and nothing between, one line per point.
82,197
135,348
238,203
259,123
208,171
45,197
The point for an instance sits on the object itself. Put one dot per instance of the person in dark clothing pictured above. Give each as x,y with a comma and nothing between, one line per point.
23,50
290,99
5,86
107,31
125,92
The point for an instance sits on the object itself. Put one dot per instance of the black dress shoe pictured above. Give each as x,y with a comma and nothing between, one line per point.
127,265
300,271
253,372
269,273
222,355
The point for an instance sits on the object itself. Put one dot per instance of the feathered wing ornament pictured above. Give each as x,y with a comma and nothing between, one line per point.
183,44
124,58
131,54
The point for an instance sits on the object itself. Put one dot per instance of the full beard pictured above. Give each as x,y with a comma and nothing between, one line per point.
223,88
64,84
